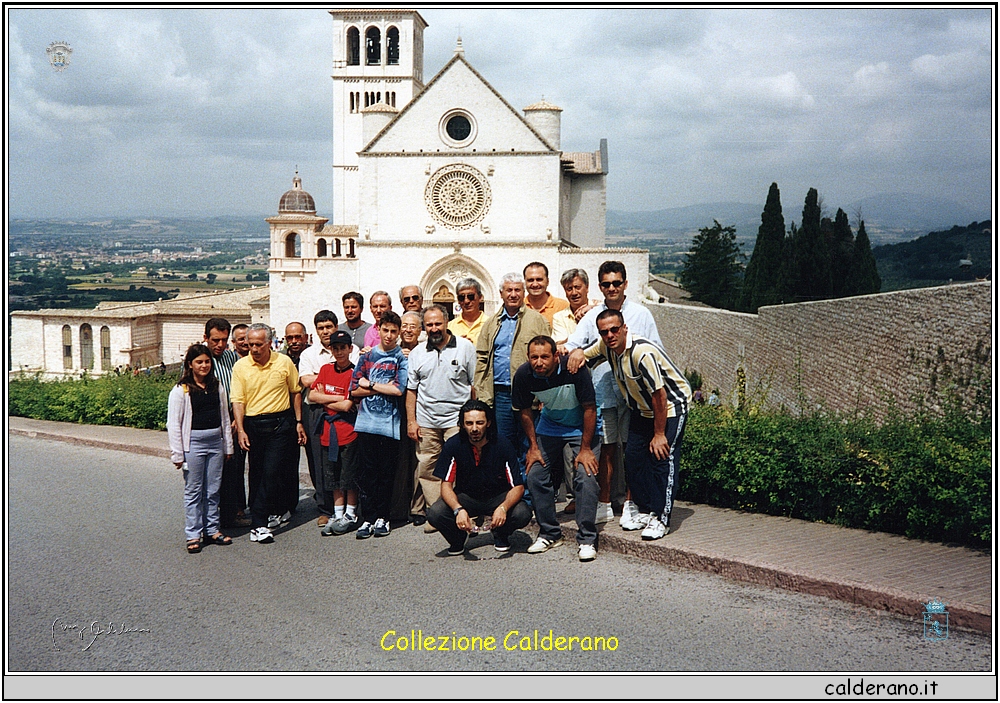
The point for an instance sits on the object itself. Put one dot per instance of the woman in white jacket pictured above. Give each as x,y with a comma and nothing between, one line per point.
201,439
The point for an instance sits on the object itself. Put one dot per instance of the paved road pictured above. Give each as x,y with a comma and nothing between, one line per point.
96,536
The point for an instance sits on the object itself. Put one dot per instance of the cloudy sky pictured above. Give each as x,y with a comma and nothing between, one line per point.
207,112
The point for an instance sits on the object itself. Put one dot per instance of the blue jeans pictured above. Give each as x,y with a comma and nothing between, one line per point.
509,426
202,482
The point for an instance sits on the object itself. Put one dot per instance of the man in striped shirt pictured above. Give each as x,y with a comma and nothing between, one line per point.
658,396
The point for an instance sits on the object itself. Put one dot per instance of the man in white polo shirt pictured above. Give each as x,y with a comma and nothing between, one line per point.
439,382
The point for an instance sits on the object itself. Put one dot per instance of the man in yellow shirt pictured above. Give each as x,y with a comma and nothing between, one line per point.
470,322
267,408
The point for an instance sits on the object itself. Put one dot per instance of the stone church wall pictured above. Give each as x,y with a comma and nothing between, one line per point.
840,354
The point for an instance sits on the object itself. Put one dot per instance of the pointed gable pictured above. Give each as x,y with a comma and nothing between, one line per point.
458,86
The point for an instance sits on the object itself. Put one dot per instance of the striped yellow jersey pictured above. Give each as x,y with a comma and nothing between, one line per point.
640,371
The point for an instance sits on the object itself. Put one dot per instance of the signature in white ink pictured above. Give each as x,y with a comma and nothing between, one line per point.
89,634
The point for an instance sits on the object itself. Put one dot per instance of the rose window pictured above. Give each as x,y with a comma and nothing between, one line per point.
457,196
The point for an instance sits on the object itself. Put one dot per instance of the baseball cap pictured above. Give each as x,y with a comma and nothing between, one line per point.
340,337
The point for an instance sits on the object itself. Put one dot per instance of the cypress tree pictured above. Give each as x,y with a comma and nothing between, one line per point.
841,256
810,254
763,282
865,271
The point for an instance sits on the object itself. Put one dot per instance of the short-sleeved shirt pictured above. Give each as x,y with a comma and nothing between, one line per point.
640,323
334,382
223,368
381,414
460,328
357,334
551,307
372,337
643,369
479,474
562,395
264,389
317,356
442,380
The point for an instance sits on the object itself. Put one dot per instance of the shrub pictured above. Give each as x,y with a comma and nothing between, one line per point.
926,476
128,401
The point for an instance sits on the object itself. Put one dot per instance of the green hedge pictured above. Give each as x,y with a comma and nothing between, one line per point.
926,476
125,401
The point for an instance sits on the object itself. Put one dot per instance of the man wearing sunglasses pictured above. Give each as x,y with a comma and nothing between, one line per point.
658,396
613,408
412,298
470,298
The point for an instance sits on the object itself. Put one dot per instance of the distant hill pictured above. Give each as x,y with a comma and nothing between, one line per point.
958,254
889,217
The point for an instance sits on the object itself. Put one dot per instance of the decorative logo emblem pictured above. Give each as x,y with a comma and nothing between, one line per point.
59,52
457,196
935,621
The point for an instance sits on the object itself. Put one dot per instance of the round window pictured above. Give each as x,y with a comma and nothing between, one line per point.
459,128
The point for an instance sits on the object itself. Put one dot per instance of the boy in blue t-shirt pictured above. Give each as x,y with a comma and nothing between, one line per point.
379,383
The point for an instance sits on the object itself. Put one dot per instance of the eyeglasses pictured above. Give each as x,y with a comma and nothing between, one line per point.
610,330
608,284
410,298
463,297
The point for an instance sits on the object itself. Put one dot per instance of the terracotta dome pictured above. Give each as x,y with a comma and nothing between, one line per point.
296,199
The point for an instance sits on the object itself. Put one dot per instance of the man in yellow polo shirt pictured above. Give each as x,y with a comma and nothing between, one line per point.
267,408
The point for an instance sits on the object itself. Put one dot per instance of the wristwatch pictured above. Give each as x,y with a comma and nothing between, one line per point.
458,510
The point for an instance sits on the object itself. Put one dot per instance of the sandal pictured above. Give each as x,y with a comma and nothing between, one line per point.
219,538
193,546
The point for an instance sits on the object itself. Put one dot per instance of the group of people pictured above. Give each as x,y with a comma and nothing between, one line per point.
462,425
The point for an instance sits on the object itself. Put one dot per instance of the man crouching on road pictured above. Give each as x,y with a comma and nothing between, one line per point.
479,476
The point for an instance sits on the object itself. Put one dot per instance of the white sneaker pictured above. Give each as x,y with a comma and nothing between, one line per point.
543,544
654,528
605,513
587,552
273,521
262,535
631,518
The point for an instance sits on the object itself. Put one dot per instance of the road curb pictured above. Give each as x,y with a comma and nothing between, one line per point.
962,616
91,442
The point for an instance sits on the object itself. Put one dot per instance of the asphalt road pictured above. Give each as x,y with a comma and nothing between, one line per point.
96,536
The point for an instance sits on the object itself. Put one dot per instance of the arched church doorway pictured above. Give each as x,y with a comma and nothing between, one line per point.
445,297
442,277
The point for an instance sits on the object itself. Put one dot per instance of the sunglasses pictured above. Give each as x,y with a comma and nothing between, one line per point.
411,298
609,284
610,330
466,297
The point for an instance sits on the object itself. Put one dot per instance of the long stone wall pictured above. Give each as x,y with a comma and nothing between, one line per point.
846,354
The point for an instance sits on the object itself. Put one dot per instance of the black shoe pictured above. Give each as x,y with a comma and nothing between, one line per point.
418,520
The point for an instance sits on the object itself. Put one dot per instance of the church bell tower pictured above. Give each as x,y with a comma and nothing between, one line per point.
378,57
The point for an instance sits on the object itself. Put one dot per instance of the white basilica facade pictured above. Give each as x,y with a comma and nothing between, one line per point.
434,182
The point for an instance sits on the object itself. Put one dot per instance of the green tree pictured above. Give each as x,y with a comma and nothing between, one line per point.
841,247
809,258
211,277
763,282
864,277
713,269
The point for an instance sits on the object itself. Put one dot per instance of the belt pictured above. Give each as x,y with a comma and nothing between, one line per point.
269,416
500,387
